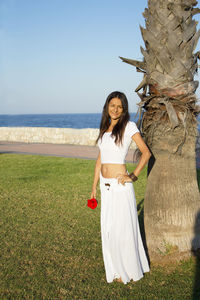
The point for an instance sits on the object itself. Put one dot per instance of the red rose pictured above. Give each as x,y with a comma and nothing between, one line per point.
92,203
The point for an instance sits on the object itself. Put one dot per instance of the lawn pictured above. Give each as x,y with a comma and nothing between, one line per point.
51,243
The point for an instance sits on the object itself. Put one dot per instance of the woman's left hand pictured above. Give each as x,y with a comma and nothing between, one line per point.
122,178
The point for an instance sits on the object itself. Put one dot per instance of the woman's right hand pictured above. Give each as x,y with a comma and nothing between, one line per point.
93,194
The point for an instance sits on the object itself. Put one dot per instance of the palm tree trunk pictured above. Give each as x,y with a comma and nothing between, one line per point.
172,198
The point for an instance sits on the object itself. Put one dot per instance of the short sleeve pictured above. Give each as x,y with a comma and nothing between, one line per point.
131,129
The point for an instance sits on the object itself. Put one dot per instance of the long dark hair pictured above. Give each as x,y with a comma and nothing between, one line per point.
118,129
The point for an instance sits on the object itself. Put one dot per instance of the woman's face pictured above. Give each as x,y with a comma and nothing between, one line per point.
115,108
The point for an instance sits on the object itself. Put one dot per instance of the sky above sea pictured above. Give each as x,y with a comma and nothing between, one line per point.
63,56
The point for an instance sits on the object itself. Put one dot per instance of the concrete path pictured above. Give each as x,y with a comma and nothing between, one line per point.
86,152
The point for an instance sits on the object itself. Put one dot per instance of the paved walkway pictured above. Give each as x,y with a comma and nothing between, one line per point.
86,152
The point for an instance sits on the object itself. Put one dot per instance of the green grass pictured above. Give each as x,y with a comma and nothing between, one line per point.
50,240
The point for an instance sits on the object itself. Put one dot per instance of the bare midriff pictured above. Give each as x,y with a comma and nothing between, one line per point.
112,170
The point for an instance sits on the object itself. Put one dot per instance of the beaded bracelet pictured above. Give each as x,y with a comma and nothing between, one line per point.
133,177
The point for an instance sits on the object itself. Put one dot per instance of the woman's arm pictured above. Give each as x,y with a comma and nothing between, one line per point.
96,176
146,154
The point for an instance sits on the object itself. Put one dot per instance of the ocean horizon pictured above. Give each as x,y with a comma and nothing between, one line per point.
71,120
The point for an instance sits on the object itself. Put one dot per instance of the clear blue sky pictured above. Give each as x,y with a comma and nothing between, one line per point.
62,56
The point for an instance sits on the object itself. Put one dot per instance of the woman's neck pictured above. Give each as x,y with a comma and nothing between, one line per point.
113,123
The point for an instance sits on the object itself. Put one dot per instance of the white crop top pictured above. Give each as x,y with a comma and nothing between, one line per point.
116,154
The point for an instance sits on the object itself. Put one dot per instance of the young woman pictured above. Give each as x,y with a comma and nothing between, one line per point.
123,252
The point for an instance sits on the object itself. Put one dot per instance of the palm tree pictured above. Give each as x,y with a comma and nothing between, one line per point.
168,124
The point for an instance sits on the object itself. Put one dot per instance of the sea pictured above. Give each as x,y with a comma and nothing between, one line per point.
78,121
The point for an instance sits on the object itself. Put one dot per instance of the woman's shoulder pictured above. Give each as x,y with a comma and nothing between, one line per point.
131,128
131,123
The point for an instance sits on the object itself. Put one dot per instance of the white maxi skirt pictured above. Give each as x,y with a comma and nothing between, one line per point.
122,248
